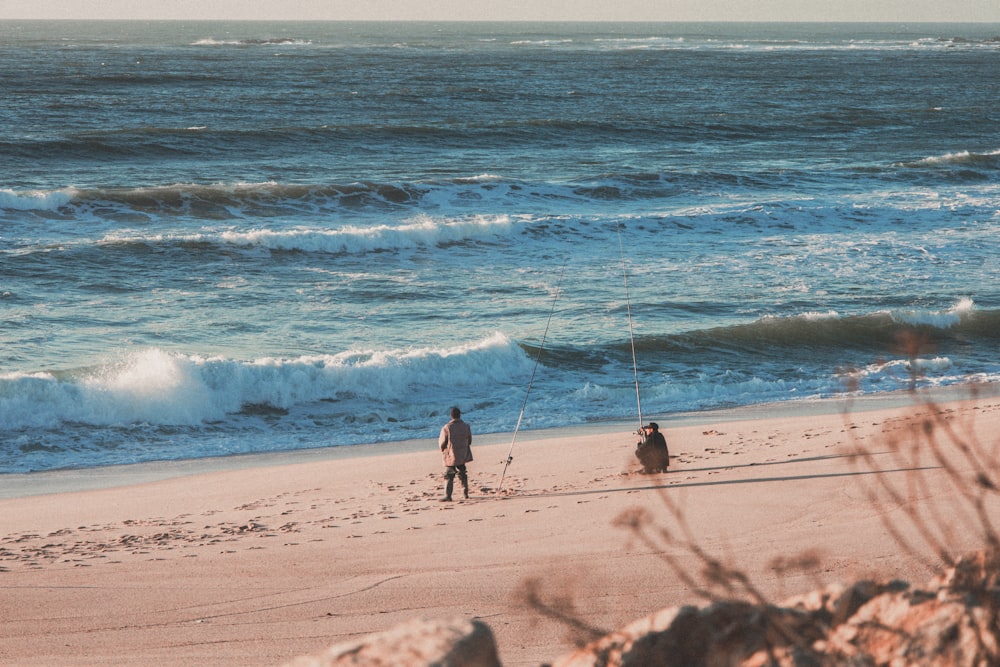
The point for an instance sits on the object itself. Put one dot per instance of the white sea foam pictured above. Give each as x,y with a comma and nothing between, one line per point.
481,178
281,41
937,318
423,230
894,374
36,200
816,315
154,386
959,158
541,42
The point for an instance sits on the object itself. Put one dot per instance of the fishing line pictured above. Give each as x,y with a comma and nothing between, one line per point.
631,336
531,380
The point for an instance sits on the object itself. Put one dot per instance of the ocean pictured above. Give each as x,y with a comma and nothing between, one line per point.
221,238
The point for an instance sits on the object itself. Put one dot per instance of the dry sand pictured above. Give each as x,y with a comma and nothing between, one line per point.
256,560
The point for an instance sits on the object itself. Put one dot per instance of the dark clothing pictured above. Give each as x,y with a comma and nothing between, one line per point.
449,476
652,452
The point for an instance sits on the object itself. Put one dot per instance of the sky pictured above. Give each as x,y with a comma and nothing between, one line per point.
511,10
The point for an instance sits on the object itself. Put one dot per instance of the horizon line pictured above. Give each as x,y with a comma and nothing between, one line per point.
512,20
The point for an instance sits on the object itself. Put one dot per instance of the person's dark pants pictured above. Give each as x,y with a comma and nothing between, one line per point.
463,477
653,458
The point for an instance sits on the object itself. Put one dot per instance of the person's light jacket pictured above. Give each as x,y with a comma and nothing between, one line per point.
456,443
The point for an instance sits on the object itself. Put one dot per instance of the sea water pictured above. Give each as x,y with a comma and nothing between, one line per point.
221,238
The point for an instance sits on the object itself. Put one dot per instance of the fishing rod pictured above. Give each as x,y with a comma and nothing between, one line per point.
631,336
531,380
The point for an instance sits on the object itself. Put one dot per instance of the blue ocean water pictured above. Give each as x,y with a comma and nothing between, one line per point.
220,238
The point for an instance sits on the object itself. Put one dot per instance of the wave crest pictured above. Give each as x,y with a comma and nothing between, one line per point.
154,386
988,160
422,231
838,333
36,200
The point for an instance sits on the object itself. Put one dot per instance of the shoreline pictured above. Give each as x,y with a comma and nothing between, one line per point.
71,480
268,558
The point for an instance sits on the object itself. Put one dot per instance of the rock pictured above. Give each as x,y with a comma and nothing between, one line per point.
724,633
954,623
417,643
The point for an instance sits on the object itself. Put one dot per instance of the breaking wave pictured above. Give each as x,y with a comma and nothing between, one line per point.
158,387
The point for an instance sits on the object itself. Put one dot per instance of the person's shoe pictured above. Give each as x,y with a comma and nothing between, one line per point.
466,493
446,499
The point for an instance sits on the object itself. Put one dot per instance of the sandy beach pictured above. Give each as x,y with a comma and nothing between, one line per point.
257,560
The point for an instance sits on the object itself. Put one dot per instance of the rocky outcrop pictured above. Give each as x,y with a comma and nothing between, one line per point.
954,621
418,643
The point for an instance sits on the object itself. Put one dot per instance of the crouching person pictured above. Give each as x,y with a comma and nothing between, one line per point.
652,450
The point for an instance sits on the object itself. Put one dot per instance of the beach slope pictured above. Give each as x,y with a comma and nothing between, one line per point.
257,564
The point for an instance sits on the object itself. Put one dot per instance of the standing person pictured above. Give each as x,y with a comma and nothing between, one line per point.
456,450
652,449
